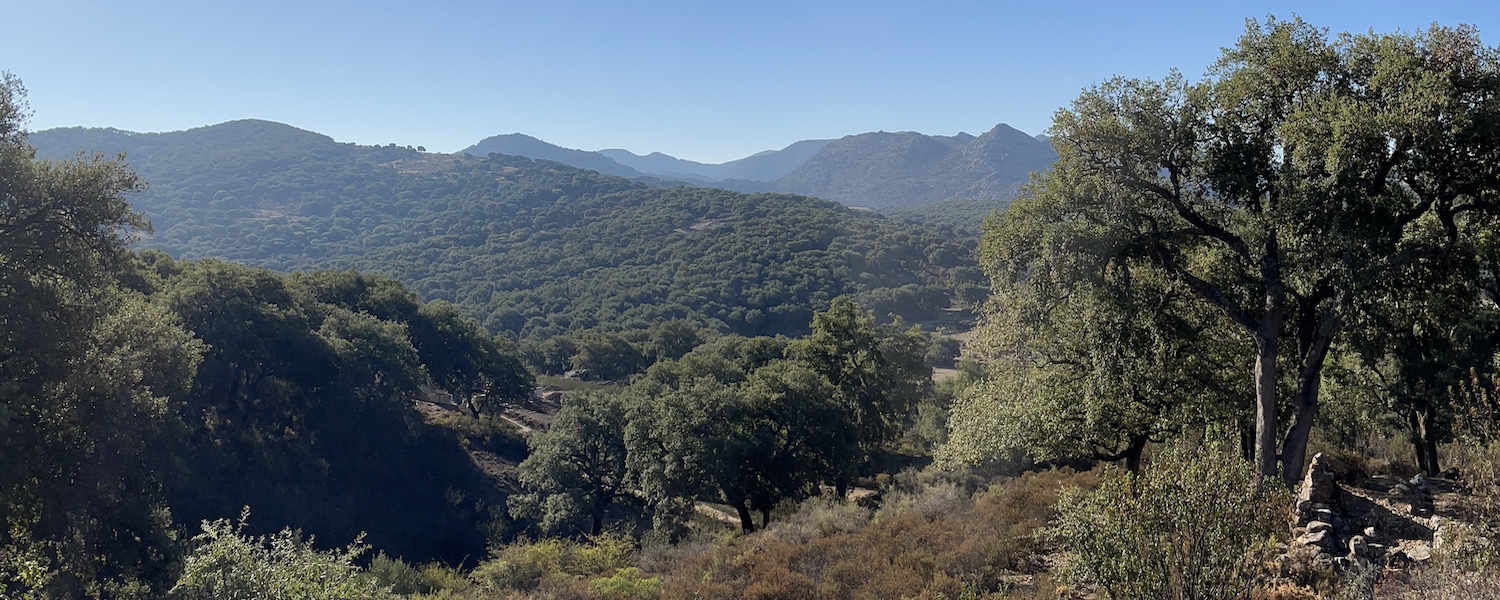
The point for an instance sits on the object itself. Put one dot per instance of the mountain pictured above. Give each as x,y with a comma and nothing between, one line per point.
517,144
530,247
769,165
884,170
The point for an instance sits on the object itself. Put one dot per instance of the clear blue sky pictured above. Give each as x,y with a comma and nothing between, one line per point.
709,80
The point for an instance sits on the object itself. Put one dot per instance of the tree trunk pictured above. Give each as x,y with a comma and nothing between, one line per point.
747,522
1429,439
765,518
601,505
1133,453
1267,344
1419,449
841,485
1317,340
1294,449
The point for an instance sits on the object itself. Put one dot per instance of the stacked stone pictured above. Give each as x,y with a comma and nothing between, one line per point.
1317,522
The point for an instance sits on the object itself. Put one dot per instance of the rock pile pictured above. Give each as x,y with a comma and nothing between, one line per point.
1318,521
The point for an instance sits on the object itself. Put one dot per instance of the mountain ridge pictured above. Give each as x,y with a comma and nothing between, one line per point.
898,169
531,247
875,169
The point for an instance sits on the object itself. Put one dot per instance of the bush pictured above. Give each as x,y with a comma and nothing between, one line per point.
229,565
527,566
402,579
627,584
931,539
1191,526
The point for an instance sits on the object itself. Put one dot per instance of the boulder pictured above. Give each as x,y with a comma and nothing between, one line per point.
1419,553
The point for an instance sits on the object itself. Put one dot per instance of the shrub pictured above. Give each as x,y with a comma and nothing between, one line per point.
526,566
1189,527
230,565
627,584
520,566
940,542
401,578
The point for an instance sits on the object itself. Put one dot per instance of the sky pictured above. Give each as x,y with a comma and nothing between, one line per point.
710,80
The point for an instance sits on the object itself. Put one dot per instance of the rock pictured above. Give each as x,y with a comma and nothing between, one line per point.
1318,485
1317,526
1358,548
1401,490
1419,553
1418,482
1369,532
1321,539
1420,507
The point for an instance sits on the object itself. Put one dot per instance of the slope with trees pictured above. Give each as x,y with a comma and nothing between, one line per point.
531,248
144,394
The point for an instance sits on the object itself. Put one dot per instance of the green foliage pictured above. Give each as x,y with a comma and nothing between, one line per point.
735,419
400,578
878,375
303,407
607,356
577,466
532,248
1193,524
528,565
627,584
1088,356
964,215
228,564
91,379
1287,190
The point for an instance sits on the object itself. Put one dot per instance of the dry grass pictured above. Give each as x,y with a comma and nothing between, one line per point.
940,542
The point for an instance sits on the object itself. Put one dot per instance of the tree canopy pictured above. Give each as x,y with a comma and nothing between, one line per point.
1285,187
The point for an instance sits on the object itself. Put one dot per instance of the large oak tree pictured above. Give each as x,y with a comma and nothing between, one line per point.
1303,172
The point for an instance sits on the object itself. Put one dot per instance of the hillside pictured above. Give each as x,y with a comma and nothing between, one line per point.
872,170
517,144
882,170
532,248
964,215
769,165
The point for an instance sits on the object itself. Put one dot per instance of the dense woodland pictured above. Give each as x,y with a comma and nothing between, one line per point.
1216,281
532,249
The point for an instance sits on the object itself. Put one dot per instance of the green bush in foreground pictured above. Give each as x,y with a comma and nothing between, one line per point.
230,565
1190,526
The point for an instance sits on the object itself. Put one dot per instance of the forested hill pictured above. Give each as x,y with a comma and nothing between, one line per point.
532,248
517,144
885,170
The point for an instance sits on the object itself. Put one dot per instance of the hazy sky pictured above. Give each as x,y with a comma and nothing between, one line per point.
710,80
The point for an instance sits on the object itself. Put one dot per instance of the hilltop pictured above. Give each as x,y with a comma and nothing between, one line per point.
532,248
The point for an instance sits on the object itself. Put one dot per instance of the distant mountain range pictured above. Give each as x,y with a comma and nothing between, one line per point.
885,170
876,170
763,166
531,247
880,170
